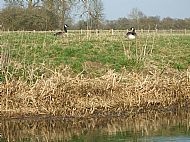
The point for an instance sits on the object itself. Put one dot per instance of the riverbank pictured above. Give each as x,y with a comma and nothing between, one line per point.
89,76
112,94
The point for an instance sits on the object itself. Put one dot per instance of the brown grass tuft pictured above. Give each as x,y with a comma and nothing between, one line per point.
112,94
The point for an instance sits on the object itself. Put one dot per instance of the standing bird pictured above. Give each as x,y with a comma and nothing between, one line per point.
131,34
61,33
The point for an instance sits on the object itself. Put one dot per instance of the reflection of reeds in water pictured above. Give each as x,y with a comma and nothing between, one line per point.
150,124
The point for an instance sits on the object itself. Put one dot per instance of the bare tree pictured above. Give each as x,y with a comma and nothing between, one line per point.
61,8
97,13
93,10
23,3
136,15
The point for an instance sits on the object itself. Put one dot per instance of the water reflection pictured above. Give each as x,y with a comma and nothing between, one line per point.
145,127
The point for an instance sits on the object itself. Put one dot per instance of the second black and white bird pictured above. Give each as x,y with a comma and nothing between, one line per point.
131,34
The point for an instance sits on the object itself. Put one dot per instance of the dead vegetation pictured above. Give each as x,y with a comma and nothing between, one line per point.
113,94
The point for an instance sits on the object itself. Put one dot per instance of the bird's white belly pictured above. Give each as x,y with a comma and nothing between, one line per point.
131,36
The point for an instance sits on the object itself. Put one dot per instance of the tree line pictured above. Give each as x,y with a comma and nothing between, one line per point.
46,15
149,23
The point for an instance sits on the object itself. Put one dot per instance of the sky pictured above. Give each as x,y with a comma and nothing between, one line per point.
114,9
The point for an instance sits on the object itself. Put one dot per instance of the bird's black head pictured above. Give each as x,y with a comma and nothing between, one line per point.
132,29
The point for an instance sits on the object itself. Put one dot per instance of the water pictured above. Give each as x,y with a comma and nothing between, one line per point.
141,128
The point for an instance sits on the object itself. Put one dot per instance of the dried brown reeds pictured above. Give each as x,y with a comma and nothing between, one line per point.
113,94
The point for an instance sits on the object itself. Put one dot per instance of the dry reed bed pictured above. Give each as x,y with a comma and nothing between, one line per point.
112,94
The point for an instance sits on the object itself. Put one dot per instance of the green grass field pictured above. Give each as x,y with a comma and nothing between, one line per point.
93,55
116,75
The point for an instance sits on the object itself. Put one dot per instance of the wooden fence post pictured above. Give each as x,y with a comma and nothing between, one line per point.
112,33
171,31
81,31
141,31
96,32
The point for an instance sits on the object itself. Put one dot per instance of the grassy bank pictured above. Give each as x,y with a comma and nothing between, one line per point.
79,75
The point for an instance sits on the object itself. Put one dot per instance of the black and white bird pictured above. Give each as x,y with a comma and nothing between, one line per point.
131,34
62,32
